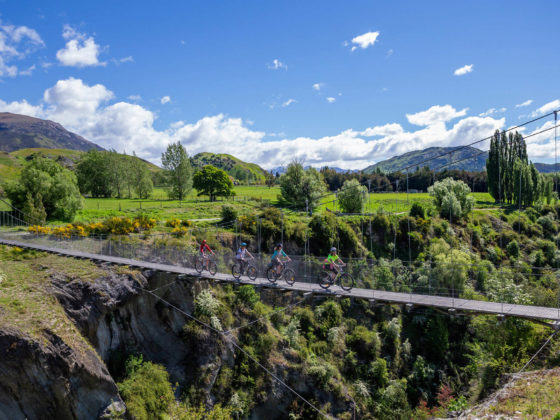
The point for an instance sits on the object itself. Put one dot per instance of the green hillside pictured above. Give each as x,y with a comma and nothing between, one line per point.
467,158
242,171
12,163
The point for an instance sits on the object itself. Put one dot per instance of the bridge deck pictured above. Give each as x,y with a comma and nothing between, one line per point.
441,302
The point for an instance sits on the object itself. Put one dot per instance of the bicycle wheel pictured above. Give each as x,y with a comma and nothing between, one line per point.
199,265
324,280
289,276
271,274
346,281
252,272
212,268
236,271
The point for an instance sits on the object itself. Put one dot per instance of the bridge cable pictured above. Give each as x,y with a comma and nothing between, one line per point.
230,339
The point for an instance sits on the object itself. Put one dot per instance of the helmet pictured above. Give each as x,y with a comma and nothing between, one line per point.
243,244
333,249
204,241
278,245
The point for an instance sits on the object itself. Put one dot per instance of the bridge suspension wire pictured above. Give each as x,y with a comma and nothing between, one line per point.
230,339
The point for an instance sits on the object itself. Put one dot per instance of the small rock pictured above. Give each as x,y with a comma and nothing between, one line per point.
116,408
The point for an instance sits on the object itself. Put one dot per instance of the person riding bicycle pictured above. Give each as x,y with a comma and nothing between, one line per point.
332,261
241,256
202,252
276,259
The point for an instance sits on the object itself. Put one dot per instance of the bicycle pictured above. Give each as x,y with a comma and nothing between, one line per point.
202,262
287,273
345,280
237,270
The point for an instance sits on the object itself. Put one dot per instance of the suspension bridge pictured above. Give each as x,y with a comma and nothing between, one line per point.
453,305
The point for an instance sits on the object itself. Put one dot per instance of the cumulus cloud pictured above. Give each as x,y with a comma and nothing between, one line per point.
365,40
288,102
526,103
546,108
165,100
541,146
88,110
330,99
277,65
79,51
435,114
16,43
464,70
492,111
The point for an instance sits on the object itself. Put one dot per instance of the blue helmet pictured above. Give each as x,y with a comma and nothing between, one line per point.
243,244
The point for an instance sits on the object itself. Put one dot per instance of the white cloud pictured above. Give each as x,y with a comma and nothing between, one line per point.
546,108
318,86
541,146
135,97
16,43
80,50
288,102
87,110
464,70
492,111
526,103
330,99
389,53
435,114
365,40
165,100
390,129
128,59
277,64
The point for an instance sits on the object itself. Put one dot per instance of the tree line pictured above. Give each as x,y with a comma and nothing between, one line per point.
512,178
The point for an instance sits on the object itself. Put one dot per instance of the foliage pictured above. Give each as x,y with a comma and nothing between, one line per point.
417,210
247,296
34,210
302,187
58,189
213,182
146,389
229,213
452,198
352,196
206,304
179,172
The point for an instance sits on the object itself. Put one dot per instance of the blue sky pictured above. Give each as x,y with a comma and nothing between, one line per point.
338,83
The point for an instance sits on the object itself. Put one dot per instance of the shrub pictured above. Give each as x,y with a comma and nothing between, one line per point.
229,213
452,198
247,296
417,210
352,196
364,342
146,390
512,249
206,304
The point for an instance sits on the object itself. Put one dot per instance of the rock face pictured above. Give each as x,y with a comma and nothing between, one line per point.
48,380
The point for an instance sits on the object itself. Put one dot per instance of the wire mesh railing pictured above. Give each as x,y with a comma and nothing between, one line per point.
431,278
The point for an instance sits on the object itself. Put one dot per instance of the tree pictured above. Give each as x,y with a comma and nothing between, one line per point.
176,161
298,185
55,186
352,196
213,182
93,174
270,180
452,198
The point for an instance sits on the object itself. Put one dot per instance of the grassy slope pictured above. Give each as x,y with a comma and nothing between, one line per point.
25,301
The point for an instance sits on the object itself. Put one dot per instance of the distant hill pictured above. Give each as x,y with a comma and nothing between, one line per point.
281,169
23,132
235,167
546,168
12,163
469,159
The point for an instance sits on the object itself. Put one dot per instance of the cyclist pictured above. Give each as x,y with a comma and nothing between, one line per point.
276,259
204,248
241,256
332,260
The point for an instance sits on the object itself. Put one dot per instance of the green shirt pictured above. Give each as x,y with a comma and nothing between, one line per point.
333,258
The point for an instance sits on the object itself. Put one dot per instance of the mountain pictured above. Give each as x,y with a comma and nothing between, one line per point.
546,168
282,169
22,132
467,158
235,167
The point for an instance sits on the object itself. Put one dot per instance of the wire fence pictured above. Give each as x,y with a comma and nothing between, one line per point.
434,278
